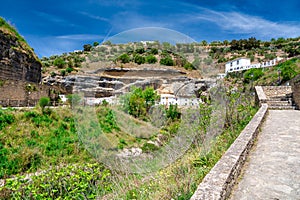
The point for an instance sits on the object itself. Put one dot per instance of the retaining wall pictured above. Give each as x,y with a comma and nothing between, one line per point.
218,183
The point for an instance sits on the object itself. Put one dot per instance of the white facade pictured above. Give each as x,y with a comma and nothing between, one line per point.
170,99
237,64
245,64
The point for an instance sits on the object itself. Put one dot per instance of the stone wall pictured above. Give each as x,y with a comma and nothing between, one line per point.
296,91
13,93
277,91
219,182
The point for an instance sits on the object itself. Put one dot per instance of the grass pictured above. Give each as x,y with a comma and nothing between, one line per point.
48,143
32,140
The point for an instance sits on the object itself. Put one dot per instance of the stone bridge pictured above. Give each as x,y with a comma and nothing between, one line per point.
264,161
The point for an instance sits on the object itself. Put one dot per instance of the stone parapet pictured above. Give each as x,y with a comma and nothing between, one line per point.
219,182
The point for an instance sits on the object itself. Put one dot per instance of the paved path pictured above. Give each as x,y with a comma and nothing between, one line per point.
272,171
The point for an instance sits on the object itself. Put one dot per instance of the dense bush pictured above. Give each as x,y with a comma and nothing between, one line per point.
253,75
168,61
5,119
138,59
43,102
124,58
59,62
138,102
151,59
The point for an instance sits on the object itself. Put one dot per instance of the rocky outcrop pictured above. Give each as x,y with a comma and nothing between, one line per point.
17,60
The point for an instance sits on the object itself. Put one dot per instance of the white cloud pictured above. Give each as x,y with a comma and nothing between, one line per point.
94,16
80,37
239,23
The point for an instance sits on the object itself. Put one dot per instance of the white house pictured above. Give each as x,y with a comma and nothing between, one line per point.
245,64
237,65
171,99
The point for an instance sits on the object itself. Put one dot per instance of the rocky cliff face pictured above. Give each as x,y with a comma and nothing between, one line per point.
17,60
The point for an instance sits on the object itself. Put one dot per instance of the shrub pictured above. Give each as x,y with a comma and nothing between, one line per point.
43,102
124,58
189,66
140,50
149,147
5,119
168,61
63,72
253,75
139,59
59,62
69,69
151,59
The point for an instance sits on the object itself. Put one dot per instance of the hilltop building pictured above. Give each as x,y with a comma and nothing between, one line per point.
241,64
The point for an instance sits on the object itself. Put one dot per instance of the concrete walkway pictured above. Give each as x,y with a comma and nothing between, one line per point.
272,171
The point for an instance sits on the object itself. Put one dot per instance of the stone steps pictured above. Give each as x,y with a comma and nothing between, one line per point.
282,107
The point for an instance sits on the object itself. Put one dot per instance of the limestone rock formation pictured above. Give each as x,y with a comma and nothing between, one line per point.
17,59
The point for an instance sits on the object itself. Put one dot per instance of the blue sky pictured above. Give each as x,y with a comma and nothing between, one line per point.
52,27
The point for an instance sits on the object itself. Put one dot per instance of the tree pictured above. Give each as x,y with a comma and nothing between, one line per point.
43,102
168,61
87,47
138,102
59,62
203,43
151,59
124,58
95,44
138,59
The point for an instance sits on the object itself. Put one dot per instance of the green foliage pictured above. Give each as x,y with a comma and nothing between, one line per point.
43,102
253,75
63,72
5,119
59,62
173,112
87,47
1,82
168,61
52,74
154,51
189,66
287,70
138,102
140,50
242,44
151,59
124,58
138,59
73,182
4,24
69,69
30,87
107,119
149,147
95,44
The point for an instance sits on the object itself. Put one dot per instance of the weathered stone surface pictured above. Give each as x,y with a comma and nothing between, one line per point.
218,183
16,61
272,171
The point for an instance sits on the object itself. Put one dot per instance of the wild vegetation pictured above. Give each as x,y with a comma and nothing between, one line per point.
47,142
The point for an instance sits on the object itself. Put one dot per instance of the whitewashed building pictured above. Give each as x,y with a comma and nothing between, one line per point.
171,99
237,65
245,64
